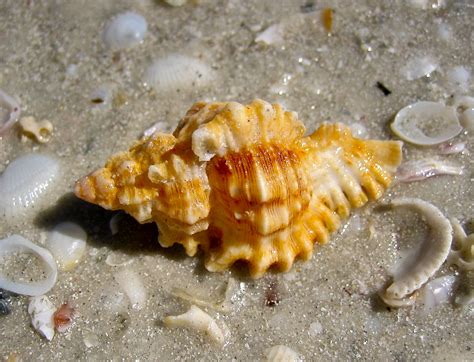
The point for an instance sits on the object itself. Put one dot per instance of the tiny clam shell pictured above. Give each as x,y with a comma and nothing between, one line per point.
23,183
177,72
428,257
281,353
15,244
41,311
426,123
416,170
125,31
9,112
67,242
197,319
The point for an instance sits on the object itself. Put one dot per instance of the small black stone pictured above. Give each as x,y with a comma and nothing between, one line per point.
4,307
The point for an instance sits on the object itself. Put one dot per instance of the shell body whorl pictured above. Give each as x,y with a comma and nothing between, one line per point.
242,183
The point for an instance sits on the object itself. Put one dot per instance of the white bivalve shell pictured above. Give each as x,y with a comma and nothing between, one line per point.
177,72
426,123
24,182
125,31
67,242
18,244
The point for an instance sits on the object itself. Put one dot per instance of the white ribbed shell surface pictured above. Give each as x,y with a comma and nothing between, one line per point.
24,182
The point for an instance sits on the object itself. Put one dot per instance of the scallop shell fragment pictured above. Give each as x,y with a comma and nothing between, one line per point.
426,123
242,183
430,255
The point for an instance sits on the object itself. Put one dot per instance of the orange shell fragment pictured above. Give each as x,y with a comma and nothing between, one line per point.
242,183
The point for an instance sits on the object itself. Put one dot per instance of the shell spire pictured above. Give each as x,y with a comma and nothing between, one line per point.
241,182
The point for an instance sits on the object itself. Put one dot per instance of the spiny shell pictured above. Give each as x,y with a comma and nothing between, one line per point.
242,183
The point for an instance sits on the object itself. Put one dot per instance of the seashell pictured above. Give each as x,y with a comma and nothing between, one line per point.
419,67
424,168
9,112
426,260
426,123
67,242
24,182
437,292
41,311
464,105
125,31
38,131
132,285
462,250
242,183
177,72
450,148
62,318
199,320
16,243
282,353
273,35
459,78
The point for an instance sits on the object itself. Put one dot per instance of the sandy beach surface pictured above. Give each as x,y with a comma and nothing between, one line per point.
374,59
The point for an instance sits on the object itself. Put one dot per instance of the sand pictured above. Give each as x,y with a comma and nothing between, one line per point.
53,60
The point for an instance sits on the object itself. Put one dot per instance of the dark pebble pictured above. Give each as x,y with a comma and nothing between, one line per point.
4,307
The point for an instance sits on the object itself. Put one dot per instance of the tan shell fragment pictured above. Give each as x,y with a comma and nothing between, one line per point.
242,183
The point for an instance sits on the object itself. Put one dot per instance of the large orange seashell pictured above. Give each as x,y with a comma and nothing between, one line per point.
242,183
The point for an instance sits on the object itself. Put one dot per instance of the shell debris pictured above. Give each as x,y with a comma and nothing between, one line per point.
24,184
18,244
125,31
41,311
282,353
67,242
416,170
197,319
462,250
241,182
426,123
38,131
132,285
9,112
430,254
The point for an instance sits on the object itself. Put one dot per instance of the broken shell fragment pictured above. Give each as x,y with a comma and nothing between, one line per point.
41,311
464,106
428,257
132,285
38,131
436,292
424,168
9,112
15,244
125,31
198,320
462,251
242,183
426,123
282,353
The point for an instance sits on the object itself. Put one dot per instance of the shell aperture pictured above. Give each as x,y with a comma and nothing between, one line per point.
241,182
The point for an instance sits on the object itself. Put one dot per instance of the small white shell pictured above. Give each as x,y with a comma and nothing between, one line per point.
198,320
41,311
132,285
416,170
459,78
462,250
176,72
125,31
16,243
426,123
67,242
281,353
450,148
273,35
39,131
24,181
419,67
427,259
9,112
436,292
464,105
